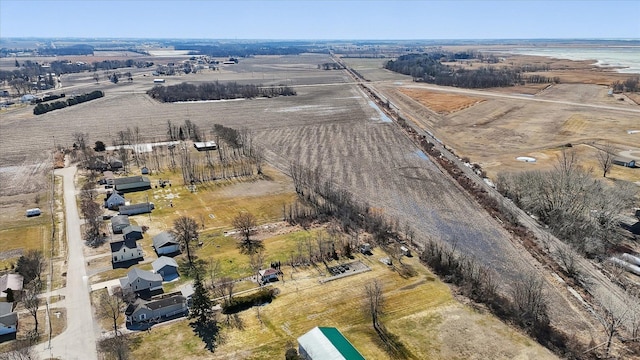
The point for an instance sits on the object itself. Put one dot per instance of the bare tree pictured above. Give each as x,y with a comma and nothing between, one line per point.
96,77
185,230
30,265
530,302
31,301
568,259
80,140
611,315
117,347
246,222
20,350
374,302
111,306
225,289
606,153
256,260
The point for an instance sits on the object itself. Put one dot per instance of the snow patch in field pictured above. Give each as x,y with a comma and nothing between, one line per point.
383,116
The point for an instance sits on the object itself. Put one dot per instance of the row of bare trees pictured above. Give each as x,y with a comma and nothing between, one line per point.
578,208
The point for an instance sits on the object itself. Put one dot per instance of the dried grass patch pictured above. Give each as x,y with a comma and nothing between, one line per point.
442,103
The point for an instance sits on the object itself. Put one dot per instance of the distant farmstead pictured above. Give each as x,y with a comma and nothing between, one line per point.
624,162
205,145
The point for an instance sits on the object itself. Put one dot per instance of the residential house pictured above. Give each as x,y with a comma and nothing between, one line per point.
119,222
114,201
326,343
136,209
13,282
132,183
268,275
8,319
165,243
138,280
165,266
125,250
132,232
156,310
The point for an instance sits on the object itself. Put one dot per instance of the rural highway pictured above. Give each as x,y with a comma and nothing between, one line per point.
78,341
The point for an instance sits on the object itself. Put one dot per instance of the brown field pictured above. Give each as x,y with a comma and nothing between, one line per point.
441,103
331,126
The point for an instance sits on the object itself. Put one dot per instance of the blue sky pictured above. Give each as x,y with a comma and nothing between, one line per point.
321,19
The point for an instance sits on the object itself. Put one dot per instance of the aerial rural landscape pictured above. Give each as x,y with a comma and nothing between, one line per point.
191,198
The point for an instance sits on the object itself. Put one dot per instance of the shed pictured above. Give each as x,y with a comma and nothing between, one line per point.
626,162
205,145
33,212
114,201
165,243
132,183
326,343
132,232
405,251
165,266
10,281
144,170
119,222
268,275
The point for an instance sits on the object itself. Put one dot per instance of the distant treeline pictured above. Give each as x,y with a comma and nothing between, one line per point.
330,66
427,67
216,91
629,85
248,49
42,108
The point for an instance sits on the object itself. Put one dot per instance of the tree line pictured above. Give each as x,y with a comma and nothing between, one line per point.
43,107
629,85
216,91
427,67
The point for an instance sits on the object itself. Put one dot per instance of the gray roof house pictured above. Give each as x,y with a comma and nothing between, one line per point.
10,281
114,201
138,280
125,250
132,232
136,209
8,319
118,223
165,243
132,183
156,310
165,266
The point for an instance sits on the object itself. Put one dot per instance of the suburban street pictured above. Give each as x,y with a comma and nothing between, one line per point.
78,341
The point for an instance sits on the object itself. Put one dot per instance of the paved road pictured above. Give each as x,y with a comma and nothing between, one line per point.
78,341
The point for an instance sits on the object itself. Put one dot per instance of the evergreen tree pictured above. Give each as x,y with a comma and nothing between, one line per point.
201,308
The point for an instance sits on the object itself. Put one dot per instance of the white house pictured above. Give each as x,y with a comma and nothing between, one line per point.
165,243
125,250
268,275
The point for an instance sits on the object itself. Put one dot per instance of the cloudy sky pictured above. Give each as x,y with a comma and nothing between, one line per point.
276,19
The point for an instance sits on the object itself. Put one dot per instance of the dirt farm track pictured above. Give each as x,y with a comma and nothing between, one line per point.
330,124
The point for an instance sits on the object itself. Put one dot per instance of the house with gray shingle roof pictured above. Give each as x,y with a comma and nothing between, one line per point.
138,280
132,183
165,266
165,243
156,310
8,319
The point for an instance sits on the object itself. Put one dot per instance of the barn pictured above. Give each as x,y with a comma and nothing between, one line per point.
624,162
205,145
326,343
132,183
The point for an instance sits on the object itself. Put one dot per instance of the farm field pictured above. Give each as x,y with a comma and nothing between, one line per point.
332,126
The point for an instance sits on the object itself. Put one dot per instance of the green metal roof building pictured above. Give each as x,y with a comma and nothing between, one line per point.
326,343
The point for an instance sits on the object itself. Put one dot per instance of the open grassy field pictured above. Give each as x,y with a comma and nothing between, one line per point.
418,310
441,103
